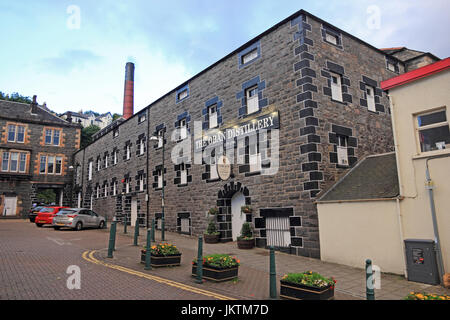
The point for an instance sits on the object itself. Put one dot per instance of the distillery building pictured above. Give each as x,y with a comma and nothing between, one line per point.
272,125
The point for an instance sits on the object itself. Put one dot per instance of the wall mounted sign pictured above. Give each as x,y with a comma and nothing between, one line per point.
213,137
224,168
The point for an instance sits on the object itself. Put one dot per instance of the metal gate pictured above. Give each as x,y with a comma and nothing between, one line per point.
278,232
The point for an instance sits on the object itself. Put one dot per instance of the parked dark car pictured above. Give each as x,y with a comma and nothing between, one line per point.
34,212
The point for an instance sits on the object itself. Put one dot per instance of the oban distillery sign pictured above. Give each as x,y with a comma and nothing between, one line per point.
212,137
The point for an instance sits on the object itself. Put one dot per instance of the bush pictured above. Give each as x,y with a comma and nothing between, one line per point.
246,232
220,261
212,229
309,278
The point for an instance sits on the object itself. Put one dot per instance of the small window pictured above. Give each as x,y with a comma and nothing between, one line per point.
142,117
252,55
11,133
20,134
212,112
391,66
56,135
252,100
183,174
98,192
50,165
370,93
115,188
160,178
14,162
160,134
141,147
115,157
141,182
90,171
58,165
105,190
183,129
106,161
42,164
23,162
5,161
127,186
342,153
213,173
115,133
433,131
48,136
182,95
128,153
331,38
254,158
336,87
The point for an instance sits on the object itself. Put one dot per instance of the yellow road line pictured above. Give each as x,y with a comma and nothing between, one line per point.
89,256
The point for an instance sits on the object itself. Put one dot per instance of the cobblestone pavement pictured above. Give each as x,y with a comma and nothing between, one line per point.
33,264
34,261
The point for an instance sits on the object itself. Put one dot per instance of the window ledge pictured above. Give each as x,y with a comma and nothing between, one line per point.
182,185
255,173
337,101
212,180
431,154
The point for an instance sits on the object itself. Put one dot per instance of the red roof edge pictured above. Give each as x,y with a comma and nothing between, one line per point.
416,74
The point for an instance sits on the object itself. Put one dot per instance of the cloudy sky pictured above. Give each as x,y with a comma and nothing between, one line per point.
72,54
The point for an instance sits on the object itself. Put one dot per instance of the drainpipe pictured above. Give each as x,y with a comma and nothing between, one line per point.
400,227
430,186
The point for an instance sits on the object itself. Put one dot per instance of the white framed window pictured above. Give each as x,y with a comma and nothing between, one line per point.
52,137
212,113
42,164
115,133
160,178
141,147
252,55
336,86
182,95
213,174
370,92
114,188
5,161
342,154
99,164
141,182
183,129
142,117
106,161
127,186
433,131
183,174
115,157
105,194
11,133
90,171
128,152
23,162
252,100
16,133
50,164
78,174
58,165
331,38
98,192
160,138
254,160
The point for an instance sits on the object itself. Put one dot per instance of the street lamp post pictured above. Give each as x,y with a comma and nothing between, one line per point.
156,138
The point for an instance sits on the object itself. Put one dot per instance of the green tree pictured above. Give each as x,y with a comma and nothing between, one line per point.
16,97
87,133
116,116
47,196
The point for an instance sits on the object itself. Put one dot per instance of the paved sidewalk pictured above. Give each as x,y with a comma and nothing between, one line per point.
253,281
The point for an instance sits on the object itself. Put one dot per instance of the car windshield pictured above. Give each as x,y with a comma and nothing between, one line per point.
47,210
37,208
65,211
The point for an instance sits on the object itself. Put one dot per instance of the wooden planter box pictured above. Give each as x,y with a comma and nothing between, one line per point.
217,275
209,238
246,244
163,261
295,291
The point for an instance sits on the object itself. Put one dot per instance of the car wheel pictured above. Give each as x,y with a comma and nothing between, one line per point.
78,226
56,228
101,225
39,225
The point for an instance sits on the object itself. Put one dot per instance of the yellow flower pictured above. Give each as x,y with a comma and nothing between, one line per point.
420,296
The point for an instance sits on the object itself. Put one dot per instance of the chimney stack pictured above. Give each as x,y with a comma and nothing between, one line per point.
128,98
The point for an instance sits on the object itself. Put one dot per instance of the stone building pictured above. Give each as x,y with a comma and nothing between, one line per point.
36,150
305,81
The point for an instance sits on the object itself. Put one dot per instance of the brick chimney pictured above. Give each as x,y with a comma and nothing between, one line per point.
34,105
128,98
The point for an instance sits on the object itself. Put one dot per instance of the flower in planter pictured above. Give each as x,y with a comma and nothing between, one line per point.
163,249
309,278
246,209
221,261
426,296
213,211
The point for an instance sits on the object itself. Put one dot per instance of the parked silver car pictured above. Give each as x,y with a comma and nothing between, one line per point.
77,218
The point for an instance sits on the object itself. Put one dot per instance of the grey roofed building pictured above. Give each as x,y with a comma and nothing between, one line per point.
22,111
373,178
